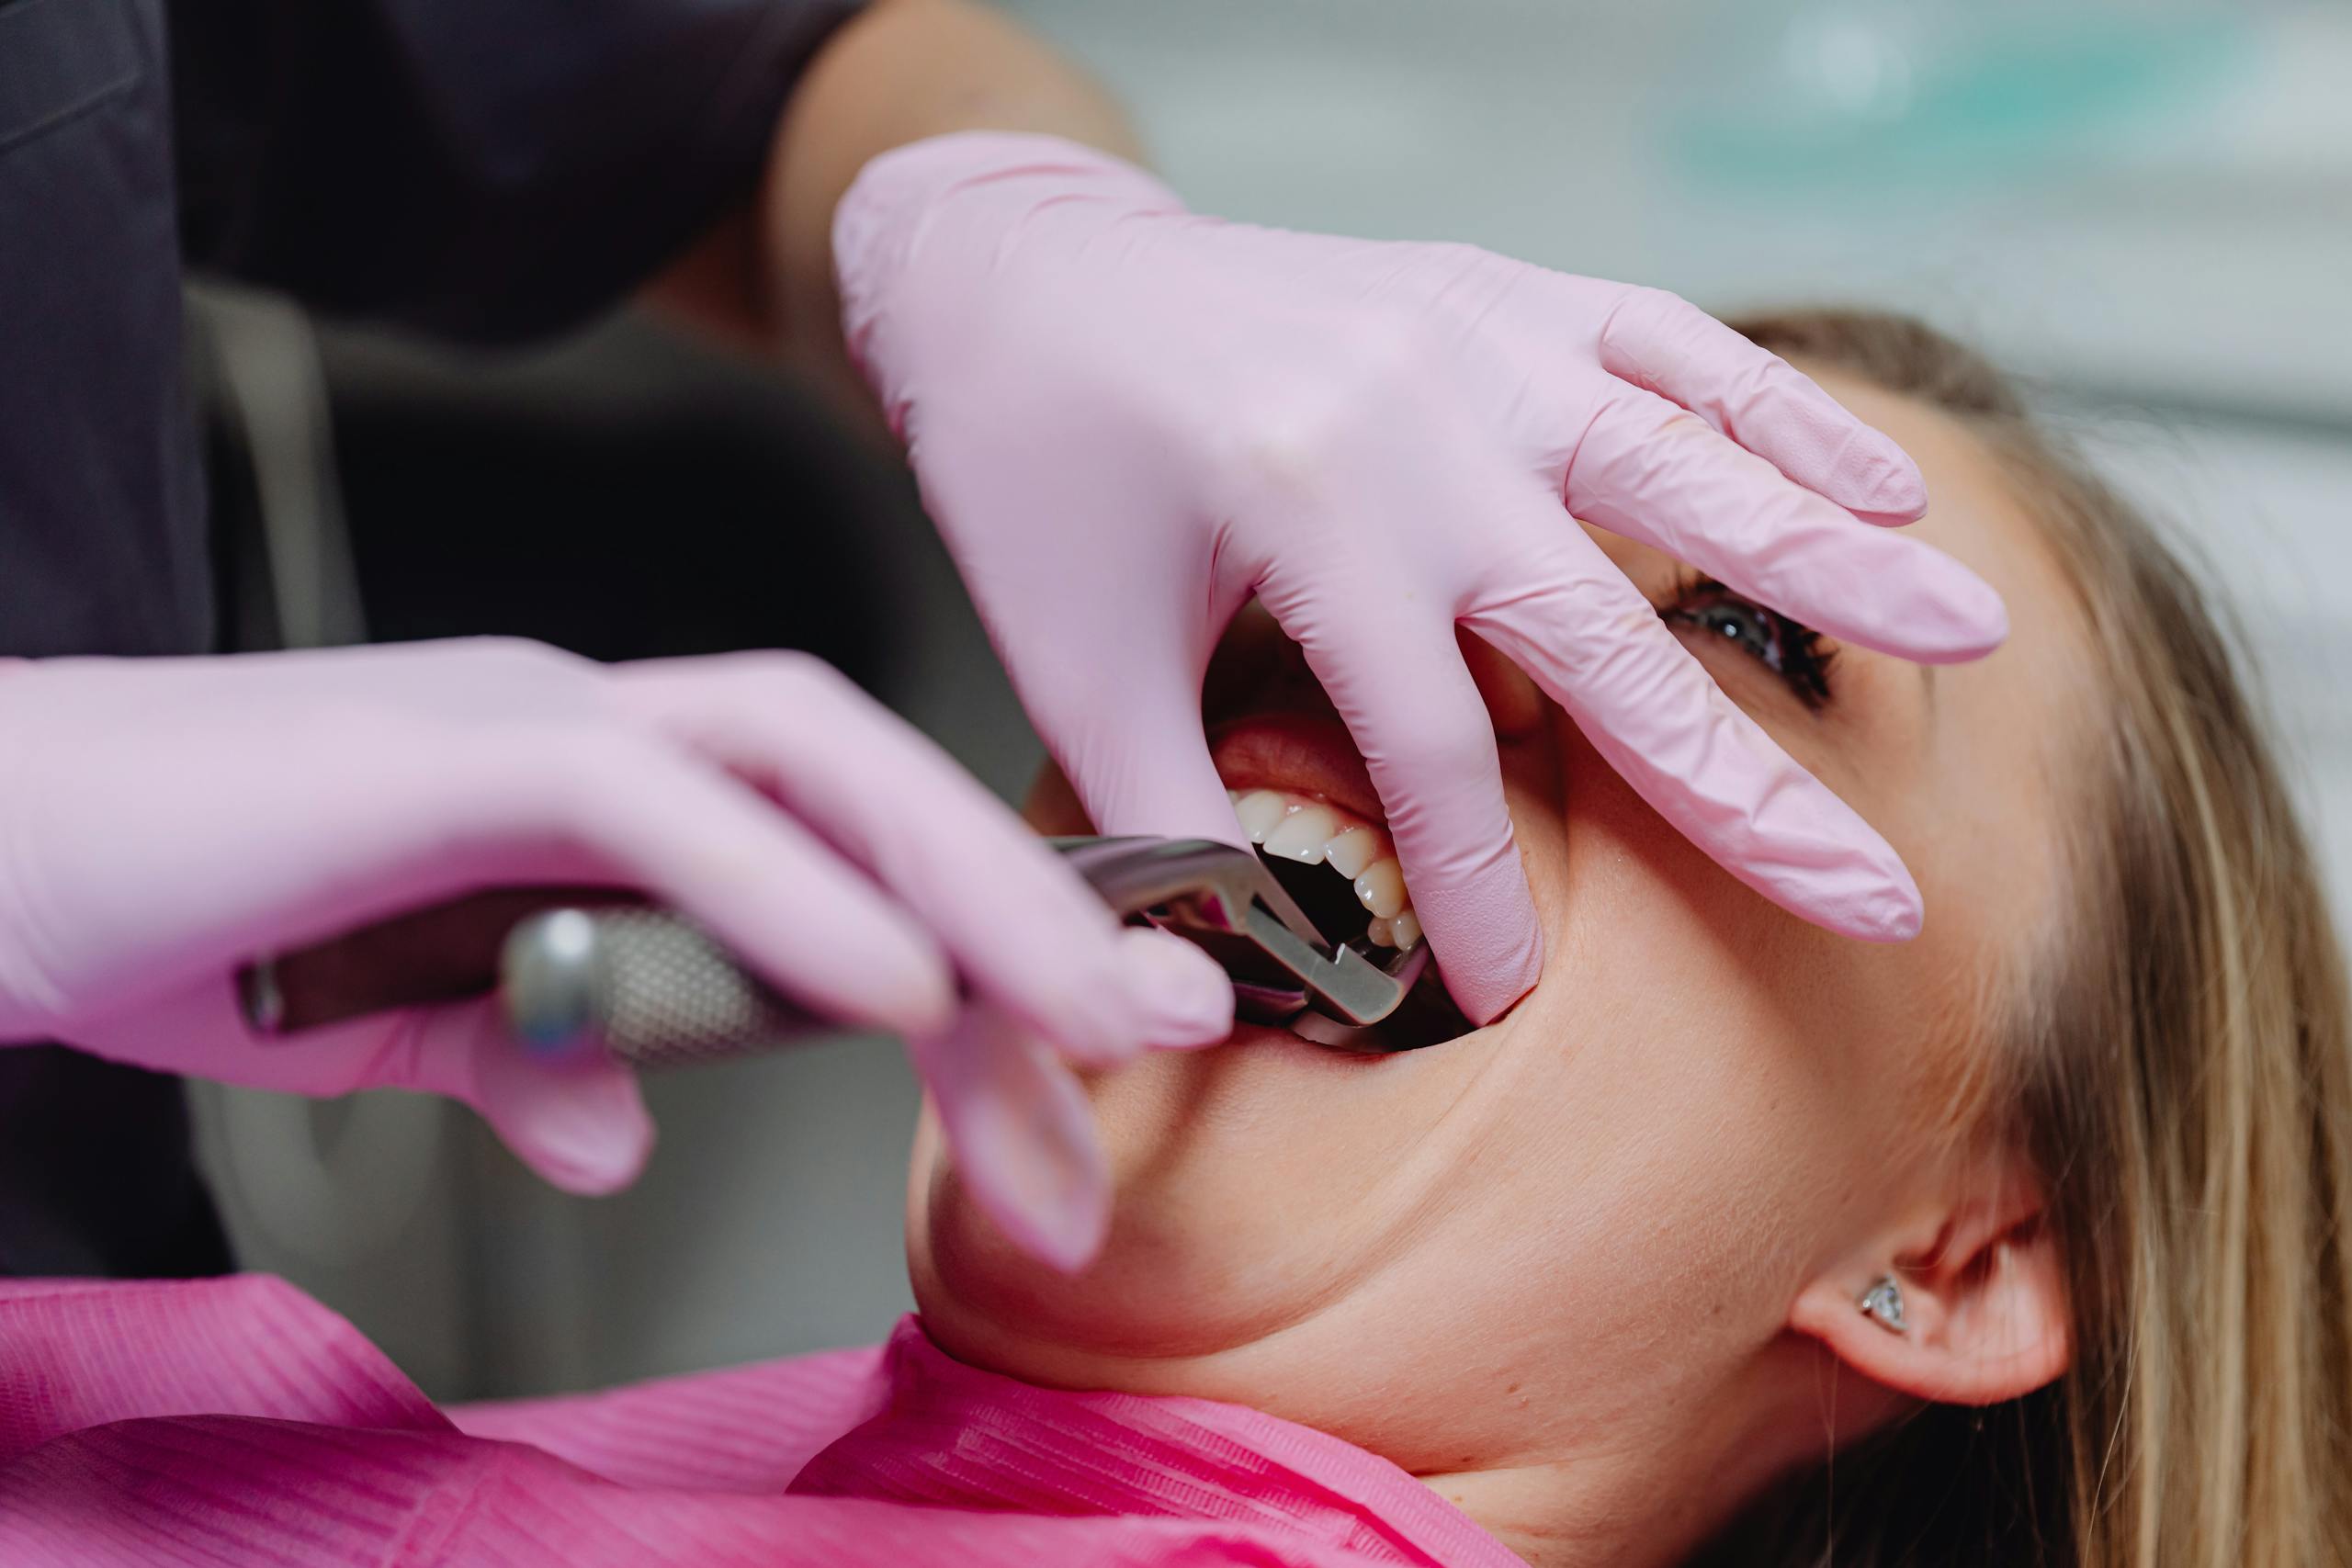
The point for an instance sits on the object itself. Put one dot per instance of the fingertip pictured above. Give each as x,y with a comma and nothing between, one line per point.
1021,1137
576,1120
1922,604
1961,617
1891,912
1887,918
1485,995
594,1177
1098,992
1185,995
1854,883
1070,1235
923,1003
1485,940
1989,612
1892,490
1905,923
582,1126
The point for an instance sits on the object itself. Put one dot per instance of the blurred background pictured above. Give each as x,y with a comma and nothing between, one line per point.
2144,207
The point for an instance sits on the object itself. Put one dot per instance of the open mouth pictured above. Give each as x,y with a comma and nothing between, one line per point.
1303,795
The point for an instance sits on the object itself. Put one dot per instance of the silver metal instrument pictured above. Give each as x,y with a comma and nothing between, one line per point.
589,972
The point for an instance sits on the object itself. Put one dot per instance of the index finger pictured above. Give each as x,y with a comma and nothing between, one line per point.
1663,344
1655,473
1022,926
1418,720
1590,640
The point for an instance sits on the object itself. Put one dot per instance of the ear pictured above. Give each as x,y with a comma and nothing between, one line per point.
1985,1313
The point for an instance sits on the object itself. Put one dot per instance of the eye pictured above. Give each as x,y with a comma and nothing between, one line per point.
1789,649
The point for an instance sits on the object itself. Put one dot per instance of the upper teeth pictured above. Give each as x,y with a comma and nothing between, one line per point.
1300,827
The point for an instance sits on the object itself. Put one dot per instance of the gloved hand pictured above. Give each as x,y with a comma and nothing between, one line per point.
1127,419
164,822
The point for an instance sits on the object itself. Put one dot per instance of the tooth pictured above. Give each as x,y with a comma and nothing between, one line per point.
1355,848
1303,833
1260,810
1405,931
1381,933
1381,888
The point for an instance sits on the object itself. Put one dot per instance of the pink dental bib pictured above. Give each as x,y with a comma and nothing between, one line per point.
237,1421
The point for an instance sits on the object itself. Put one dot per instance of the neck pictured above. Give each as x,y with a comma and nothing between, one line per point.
1554,1516
1648,1497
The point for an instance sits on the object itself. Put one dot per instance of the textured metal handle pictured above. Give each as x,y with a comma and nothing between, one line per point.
642,985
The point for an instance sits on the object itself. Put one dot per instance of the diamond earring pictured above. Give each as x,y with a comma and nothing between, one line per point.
1882,1304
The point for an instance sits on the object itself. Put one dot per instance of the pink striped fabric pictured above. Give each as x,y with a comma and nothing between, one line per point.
237,1421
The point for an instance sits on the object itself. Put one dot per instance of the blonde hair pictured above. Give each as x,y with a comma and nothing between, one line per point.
2179,1067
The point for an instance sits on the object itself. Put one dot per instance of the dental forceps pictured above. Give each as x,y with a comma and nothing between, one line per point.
648,986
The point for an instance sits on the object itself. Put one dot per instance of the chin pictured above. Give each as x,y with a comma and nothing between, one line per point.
1252,1186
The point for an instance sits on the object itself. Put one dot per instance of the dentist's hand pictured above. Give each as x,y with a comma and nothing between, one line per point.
1127,419
164,822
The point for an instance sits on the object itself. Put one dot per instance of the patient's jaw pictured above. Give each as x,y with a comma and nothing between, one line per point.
1580,1268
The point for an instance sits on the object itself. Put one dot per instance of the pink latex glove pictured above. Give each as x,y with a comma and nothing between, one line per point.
164,822
1127,419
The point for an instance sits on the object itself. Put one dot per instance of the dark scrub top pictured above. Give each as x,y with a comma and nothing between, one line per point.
487,170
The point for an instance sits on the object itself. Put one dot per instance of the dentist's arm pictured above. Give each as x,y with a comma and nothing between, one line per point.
896,72
1127,419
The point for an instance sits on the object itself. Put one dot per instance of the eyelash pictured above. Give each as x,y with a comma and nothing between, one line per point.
1791,649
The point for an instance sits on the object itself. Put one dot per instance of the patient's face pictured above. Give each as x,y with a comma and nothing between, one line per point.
1580,1228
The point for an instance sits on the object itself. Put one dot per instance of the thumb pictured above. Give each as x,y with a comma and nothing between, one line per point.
581,1125
578,1121
1144,768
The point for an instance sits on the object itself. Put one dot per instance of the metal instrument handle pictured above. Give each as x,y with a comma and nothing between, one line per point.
643,986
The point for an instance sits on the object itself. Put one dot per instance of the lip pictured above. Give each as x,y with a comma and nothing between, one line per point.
1300,753
1256,1037
1310,1055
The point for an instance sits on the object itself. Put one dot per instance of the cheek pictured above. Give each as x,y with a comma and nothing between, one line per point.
1719,1060
1051,806
1623,1186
